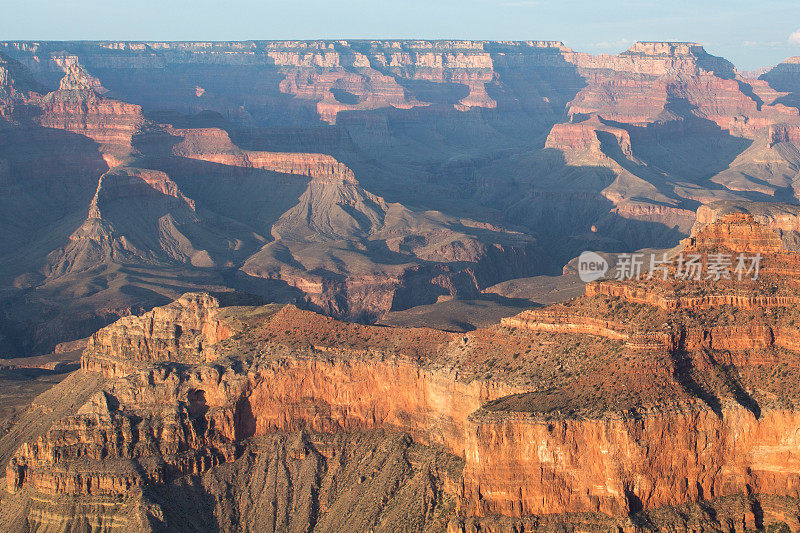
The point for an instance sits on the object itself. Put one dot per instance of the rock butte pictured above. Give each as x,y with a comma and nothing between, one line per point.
615,409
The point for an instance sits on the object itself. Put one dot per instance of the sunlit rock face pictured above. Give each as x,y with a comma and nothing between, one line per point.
355,179
639,398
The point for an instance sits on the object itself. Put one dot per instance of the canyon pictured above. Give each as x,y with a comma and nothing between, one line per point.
333,286
366,180
613,411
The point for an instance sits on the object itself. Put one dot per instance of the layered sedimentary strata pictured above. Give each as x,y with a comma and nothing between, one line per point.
659,75
187,329
214,145
16,84
748,227
624,407
583,141
609,407
142,216
604,466
779,133
422,153
79,107
336,77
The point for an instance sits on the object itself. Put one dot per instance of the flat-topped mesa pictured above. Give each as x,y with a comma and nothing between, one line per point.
656,59
747,227
642,85
214,145
183,331
666,48
682,57
583,141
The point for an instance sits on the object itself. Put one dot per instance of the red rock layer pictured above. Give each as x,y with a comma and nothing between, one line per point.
585,139
738,232
110,123
214,145
325,375
639,295
186,329
517,464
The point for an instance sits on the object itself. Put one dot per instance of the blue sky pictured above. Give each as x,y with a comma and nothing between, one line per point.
751,34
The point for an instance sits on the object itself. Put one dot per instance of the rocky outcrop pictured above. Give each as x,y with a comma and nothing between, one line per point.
742,338
658,75
214,145
583,140
79,107
739,233
16,85
697,420
748,227
185,330
672,302
518,464
75,76
784,133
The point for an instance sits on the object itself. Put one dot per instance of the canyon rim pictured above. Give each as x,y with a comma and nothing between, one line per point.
341,285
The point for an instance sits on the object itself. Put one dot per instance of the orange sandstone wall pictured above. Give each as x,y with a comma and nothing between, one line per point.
334,394
517,465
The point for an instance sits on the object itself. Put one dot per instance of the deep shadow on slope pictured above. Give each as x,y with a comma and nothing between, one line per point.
312,482
784,77
688,147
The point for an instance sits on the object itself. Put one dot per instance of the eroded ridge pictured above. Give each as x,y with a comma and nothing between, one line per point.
612,406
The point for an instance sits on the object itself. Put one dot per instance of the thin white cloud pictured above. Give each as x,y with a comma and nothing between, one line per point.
795,38
763,44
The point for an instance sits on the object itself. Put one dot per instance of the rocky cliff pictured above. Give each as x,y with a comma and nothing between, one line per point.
611,410
186,329
357,178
